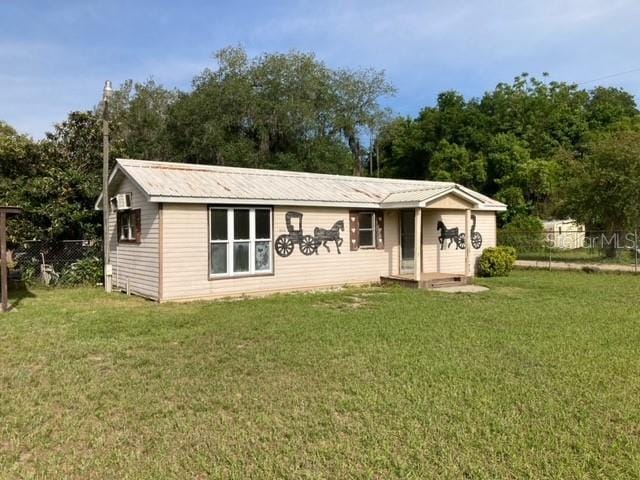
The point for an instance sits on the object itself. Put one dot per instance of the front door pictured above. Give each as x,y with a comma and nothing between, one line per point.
407,243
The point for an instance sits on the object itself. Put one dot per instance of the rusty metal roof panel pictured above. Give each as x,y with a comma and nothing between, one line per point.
415,195
181,182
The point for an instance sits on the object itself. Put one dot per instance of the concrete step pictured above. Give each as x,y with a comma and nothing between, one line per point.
444,282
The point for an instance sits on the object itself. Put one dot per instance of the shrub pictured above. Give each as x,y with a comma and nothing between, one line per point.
496,261
87,271
525,233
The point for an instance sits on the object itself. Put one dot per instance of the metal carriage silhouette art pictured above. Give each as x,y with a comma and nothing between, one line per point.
285,243
454,235
308,244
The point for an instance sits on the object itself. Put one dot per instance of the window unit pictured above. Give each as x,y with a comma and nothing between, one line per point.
240,241
128,226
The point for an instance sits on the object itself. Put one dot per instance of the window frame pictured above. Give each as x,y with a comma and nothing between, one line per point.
133,214
231,241
373,229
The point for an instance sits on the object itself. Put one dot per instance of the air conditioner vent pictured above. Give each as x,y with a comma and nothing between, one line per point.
122,201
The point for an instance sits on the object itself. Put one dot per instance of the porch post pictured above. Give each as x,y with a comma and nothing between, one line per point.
467,242
417,244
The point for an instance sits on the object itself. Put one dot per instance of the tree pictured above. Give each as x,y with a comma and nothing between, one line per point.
454,163
357,94
269,111
403,148
603,186
521,134
608,106
544,116
138,115
18,154
59,192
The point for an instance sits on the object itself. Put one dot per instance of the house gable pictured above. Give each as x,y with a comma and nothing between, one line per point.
450,201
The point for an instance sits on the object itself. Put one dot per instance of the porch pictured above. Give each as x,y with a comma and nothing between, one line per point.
434,240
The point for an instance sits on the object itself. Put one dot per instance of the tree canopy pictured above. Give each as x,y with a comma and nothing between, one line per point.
523,143
545,148
285,111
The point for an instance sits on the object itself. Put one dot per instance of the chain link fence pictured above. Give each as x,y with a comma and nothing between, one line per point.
580,249
67,262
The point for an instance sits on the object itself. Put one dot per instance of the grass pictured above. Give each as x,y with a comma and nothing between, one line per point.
539,377
580,255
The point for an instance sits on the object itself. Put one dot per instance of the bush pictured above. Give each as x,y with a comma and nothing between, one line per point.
87,271
496,261
524,233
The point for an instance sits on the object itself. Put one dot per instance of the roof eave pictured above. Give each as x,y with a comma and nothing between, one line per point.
304,203
261,201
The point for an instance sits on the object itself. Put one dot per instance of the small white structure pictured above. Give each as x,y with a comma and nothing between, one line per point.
182,231
566,234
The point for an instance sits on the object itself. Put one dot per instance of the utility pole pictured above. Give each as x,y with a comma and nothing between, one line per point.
371,155
106,96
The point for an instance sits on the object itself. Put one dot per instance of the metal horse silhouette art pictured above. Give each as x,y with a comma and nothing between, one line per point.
454,235
322,235
451,234
308,244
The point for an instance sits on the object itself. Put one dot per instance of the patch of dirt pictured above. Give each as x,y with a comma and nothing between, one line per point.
348,302
510,291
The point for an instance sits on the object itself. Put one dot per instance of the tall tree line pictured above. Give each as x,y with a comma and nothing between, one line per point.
538,146
541,147
286,111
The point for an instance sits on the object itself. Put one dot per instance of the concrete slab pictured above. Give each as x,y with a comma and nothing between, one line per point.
462,289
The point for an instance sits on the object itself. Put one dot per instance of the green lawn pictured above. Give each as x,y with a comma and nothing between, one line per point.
579,255
539,377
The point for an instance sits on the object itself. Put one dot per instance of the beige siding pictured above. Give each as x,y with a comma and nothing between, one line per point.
136,263
451,259
486,225
449,202
185,256
392,240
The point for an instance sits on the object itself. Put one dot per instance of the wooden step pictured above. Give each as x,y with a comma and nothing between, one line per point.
435,282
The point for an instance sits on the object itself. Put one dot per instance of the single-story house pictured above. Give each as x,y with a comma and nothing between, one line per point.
183,231
566,234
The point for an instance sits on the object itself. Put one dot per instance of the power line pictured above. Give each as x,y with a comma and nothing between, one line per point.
610,76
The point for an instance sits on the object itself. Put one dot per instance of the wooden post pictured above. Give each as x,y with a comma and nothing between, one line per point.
467,243
4,267
3,261
417,245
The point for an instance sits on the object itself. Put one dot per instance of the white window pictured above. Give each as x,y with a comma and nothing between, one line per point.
240,241
366,229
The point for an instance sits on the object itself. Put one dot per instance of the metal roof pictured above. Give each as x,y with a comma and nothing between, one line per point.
190,183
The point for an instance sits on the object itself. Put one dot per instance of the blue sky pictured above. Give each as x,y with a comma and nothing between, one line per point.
55,56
